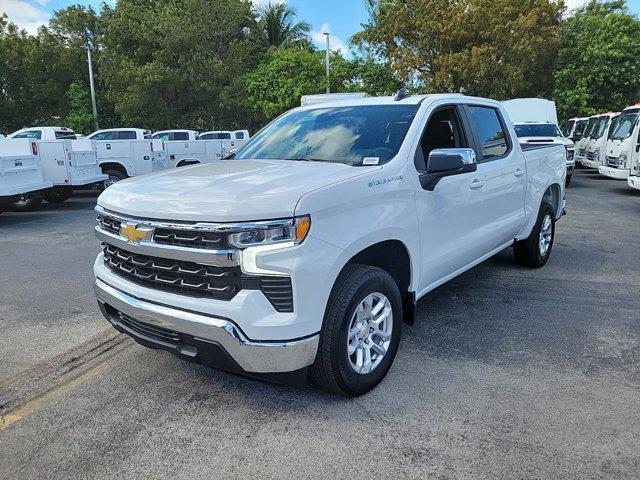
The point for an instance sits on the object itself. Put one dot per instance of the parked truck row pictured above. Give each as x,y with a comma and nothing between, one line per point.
51,162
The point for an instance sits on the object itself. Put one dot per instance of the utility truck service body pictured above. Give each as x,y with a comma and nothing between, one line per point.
622,147
186,147
305,253
127,152
20,171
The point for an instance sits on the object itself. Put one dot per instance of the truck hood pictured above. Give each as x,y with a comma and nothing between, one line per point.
224,191
544,140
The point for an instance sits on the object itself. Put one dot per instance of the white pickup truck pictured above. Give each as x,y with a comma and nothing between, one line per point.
308,250
623,146
45,133
21,177
186,147
127,152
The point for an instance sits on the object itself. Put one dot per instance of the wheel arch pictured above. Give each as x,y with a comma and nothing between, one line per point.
185,162
393,257
106,166
553,195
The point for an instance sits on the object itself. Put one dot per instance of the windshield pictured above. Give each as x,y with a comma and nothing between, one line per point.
626,123
537,130
600,127
339,134
590,126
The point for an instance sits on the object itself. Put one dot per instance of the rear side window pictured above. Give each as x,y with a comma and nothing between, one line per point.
224,136
127,135
240,135
37,134
180,136
205,136
491,134
68,135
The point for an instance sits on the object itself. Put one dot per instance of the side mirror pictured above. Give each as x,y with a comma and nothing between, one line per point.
445,162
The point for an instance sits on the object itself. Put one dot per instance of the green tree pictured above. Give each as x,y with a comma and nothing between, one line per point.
275,25
79,118
167,63
598,67
494,48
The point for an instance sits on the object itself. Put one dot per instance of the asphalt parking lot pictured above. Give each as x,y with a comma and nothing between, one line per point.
507,373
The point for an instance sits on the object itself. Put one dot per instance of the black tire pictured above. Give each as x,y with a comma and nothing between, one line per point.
27,204
2,208
332,369
58,195
528,251
569,179
114,176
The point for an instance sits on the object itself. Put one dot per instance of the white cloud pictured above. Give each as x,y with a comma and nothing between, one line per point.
335,42
25,14
573,4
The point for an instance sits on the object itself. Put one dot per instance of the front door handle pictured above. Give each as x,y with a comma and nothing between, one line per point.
476,184
519,172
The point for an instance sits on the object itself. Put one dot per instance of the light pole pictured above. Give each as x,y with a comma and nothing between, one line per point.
326,34
93,90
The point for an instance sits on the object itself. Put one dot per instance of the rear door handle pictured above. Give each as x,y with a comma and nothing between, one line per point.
476,184
519,172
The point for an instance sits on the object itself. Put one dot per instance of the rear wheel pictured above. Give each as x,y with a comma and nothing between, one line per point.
27,203
361,332
114,177
534,251
58,195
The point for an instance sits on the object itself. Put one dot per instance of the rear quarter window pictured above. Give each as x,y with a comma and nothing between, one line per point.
127,135
180,136
66,135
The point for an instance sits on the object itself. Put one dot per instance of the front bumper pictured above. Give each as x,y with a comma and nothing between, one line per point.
210,340
617,173
634,182
590,163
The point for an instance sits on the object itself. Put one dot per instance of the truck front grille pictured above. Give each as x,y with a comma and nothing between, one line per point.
109,224
188,278
190,238
614,162
175,276
581,152
591,156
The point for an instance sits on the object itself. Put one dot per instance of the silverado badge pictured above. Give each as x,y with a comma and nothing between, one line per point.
136,233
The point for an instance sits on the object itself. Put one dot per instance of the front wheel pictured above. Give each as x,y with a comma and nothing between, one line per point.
58,195
534,251
361,332
27,203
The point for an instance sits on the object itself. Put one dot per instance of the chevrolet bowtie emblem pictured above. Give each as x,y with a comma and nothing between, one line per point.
136,233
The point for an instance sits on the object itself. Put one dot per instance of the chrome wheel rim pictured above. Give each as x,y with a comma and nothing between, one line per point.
545,234
369,334
23,202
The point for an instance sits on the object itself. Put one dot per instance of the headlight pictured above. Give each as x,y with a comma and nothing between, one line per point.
623,158
292,230
596,153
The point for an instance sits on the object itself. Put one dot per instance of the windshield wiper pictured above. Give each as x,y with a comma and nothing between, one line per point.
305,159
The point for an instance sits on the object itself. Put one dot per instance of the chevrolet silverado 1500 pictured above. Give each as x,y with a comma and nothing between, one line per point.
305,253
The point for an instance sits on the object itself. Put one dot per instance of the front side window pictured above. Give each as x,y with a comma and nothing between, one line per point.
600,127
491,134
334,134
537,130
626,123
567,128
443,130
591,124
126,135
102,136
160,136
35,134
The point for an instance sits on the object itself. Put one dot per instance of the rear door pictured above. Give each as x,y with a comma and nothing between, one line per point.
503,166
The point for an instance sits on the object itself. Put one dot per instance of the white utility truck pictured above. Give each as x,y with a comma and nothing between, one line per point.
594,155
21,175
127,152
45,133
192,150
536,122
622,148
307,251
581,145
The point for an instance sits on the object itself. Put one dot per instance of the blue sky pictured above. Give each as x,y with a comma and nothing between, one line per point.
342,18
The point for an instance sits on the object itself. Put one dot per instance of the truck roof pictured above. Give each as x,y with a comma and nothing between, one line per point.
390,100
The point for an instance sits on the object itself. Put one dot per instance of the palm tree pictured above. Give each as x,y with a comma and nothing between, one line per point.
274,25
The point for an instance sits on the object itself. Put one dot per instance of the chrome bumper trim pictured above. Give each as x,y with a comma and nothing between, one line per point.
252,356
217,258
